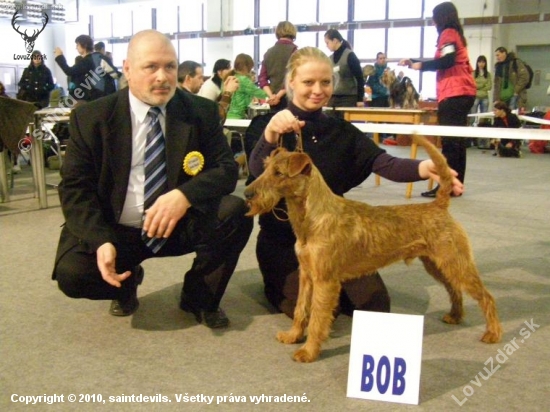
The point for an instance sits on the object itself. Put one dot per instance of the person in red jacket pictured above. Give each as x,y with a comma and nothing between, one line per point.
456,89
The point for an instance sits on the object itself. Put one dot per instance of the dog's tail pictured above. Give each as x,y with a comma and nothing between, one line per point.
445,177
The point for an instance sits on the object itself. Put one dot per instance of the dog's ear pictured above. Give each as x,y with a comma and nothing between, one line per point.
299,163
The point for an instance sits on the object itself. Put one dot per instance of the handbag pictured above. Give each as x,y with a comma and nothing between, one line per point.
21,94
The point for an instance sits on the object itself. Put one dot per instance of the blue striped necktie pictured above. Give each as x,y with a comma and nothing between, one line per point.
155,171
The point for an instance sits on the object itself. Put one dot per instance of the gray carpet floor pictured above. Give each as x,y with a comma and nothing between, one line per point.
51,344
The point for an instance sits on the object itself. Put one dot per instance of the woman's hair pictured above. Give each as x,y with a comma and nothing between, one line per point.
301,57
243,63
285,30
221,64
502,106
332,34
36,53
476,71
85,42
445,16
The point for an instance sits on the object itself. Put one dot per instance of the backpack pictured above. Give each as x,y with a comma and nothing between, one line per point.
529,70
105,85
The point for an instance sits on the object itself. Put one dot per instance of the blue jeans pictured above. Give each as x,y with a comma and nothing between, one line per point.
513,102
480,105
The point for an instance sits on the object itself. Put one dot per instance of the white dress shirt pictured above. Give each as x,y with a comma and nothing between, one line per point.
132,212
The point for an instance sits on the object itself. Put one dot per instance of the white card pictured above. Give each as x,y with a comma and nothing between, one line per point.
385,357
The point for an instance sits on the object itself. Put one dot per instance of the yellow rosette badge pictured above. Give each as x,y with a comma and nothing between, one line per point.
193,163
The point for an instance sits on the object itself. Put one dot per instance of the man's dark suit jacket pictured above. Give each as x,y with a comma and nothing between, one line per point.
96,168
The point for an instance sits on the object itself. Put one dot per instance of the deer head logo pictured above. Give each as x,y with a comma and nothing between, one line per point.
29,40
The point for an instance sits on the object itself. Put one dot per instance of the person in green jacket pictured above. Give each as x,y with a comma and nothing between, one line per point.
247,90
484,83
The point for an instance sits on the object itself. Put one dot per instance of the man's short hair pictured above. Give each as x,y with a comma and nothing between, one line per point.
99,46
501,50
188,67
85,42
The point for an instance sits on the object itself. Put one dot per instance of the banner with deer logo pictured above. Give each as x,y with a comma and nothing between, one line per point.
29,38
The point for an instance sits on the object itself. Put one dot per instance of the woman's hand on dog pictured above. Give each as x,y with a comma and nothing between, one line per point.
283,122
428,170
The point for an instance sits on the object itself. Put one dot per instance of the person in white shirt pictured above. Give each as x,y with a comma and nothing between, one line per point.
212,88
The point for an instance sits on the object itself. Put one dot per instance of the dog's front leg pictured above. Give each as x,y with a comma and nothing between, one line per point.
301,311
326,294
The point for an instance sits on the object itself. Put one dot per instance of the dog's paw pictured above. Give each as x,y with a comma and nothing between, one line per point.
451,320
288,337
491,337
302,355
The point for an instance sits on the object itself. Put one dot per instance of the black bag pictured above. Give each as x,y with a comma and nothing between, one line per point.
21,94
529,70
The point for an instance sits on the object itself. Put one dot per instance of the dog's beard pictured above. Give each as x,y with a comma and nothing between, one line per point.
260,205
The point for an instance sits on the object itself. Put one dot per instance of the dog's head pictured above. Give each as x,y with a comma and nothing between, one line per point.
285,175
388,78
368,70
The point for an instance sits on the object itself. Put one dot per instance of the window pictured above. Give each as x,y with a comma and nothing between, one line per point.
304,39
167,18
243,44
243,15
331,11
122,24
102,24
430,42
404,9
191,16
142,19
403,42
123,20
429,6
176,45
369,42
272,12
302,12
119,50
190,49
369,10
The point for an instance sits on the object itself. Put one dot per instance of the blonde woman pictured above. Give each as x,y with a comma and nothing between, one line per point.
345,158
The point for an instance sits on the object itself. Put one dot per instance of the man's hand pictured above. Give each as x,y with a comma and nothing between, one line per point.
162,217
106,257
427,170
57,52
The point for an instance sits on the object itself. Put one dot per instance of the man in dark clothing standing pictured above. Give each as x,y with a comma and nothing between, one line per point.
92,74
